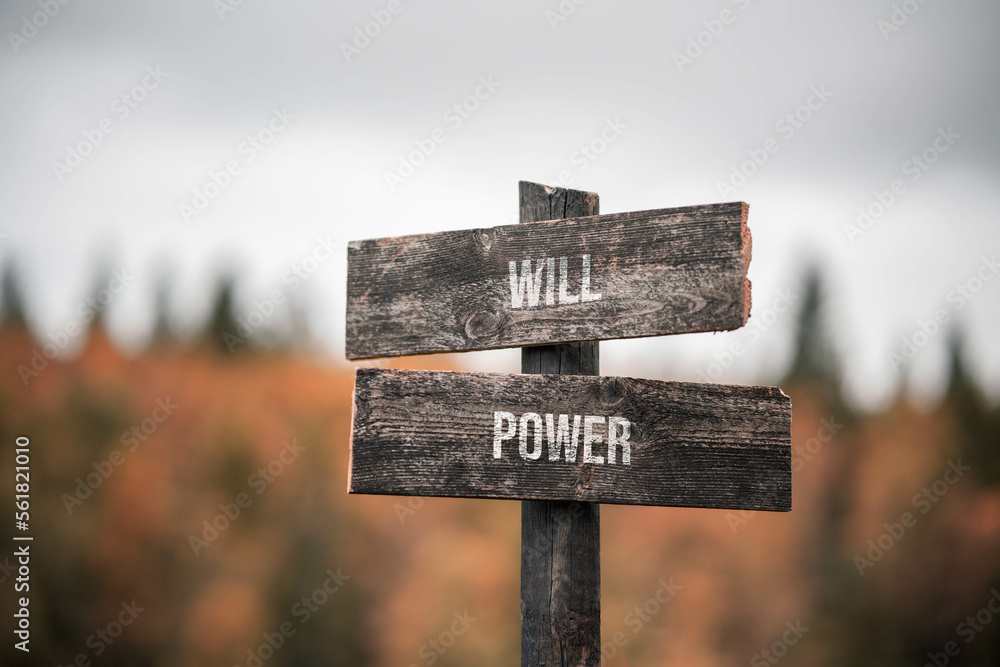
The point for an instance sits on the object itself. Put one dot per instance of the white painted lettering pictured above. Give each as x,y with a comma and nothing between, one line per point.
564,297
550,284
536,452
526,284
585,293
561,438
498,433
616,440
590,439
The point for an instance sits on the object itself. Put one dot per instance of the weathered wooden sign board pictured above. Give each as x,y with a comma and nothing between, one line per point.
624,275
559,437
570,437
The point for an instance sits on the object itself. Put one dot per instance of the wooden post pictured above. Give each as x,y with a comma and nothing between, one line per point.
426,433
560,541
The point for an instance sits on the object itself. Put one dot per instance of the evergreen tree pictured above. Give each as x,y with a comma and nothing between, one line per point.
223,329
100,300
814,374
162,331
813,354
12,313
977,425
814,360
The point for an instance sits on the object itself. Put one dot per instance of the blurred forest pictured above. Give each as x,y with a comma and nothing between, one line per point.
141,462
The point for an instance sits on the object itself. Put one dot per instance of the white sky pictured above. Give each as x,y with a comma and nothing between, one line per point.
683,133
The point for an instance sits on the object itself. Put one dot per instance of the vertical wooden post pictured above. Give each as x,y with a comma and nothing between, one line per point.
560,541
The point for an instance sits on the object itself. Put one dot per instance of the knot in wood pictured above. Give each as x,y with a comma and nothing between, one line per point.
570,624
484,238
613,391
637,432
584,477
691,303
483,323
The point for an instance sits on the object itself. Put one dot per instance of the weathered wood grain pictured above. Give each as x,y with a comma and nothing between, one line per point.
560,540
430,433
658,272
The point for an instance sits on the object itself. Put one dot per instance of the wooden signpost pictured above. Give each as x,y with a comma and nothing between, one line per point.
552,437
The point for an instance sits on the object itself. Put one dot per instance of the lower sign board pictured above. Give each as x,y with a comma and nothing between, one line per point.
570,437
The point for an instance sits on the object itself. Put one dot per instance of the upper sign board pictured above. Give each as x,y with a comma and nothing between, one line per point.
623,275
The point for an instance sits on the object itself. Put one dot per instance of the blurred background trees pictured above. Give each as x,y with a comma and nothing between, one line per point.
160,527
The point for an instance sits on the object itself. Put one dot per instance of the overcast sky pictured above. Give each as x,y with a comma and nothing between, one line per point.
311,117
